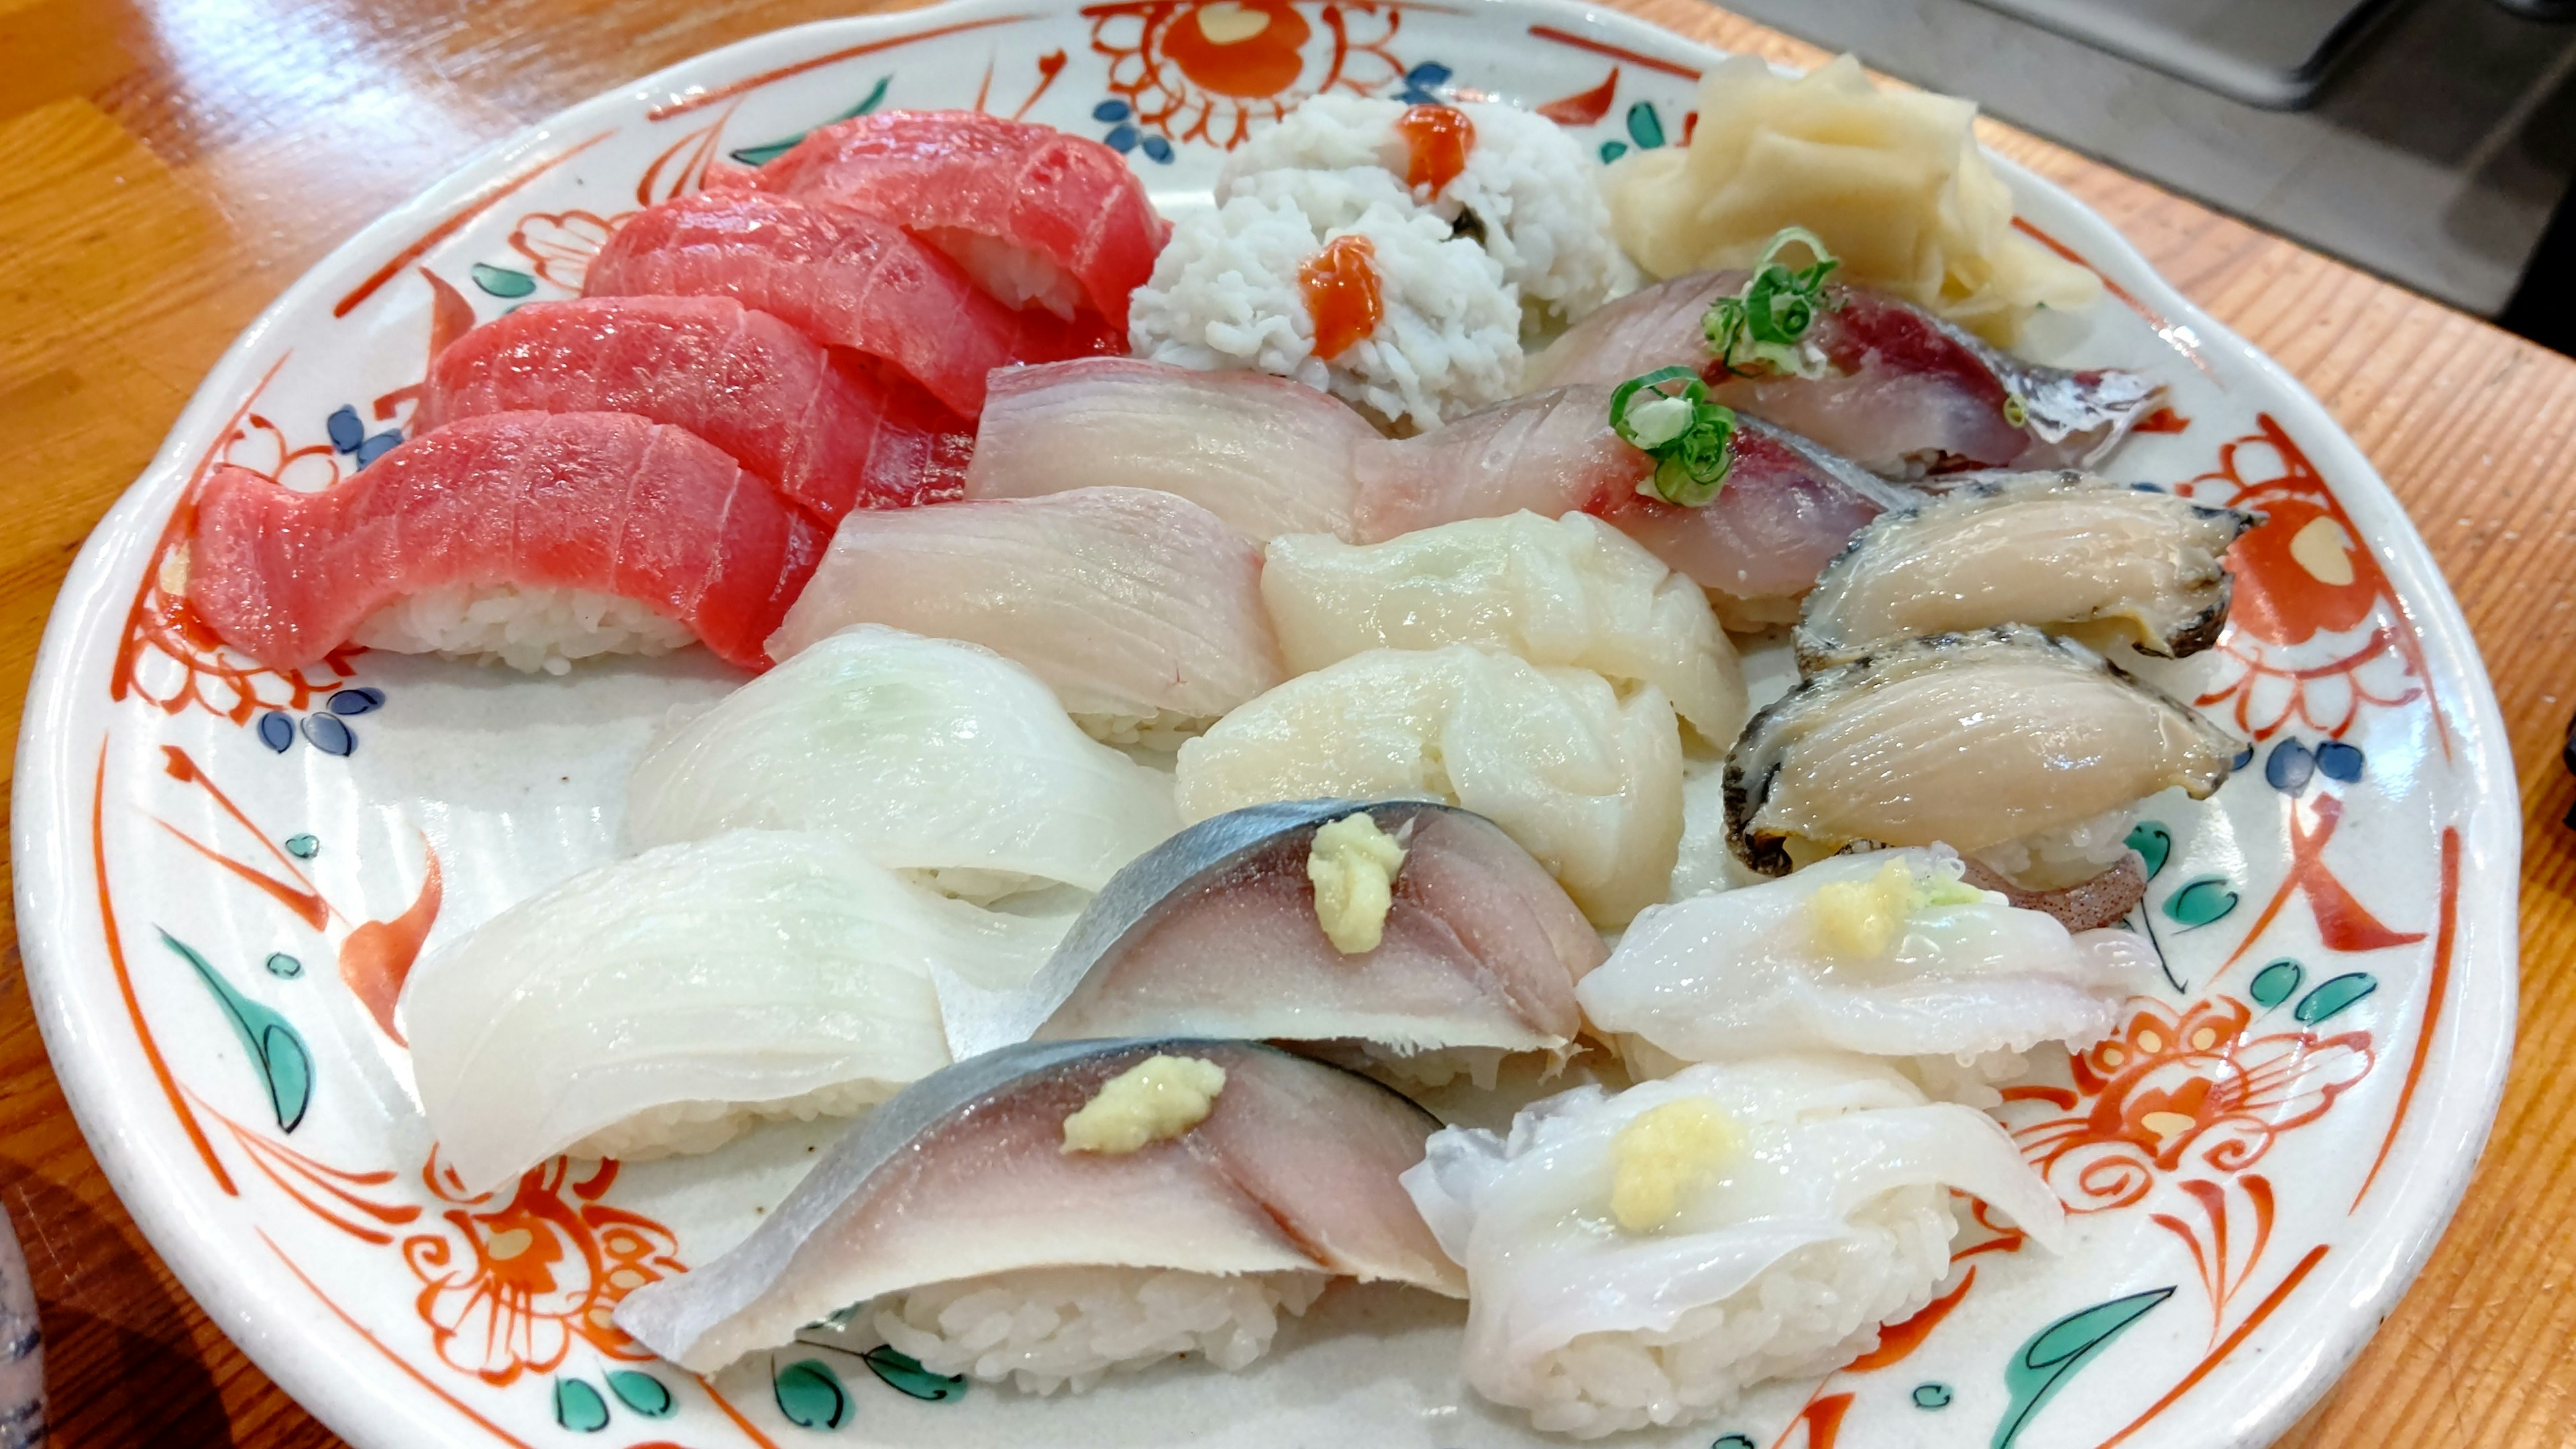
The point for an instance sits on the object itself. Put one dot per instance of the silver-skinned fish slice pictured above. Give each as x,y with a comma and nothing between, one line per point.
1906,393
1214,932
965,1174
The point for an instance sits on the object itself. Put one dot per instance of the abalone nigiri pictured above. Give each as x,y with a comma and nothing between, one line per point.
1002,1217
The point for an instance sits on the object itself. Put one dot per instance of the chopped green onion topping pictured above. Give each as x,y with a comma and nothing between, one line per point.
1667,415
2016,412
1760,328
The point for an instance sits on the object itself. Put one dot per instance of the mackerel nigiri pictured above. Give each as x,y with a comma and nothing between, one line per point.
1903,392
534,537
1220,931
1787,508
1140,609
1267,455
1059,1210
844,278
1040,217
828,435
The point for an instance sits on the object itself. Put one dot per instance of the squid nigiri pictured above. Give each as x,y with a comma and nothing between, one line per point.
1058,1211
1901,392
664,1003
1640,1259
1267,455
535,538
1140,609
1585,780
1467,950
926,755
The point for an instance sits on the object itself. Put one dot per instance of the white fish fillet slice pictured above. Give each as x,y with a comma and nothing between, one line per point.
924,754
1267,455
1586,781
1133,605
749,971
1559,591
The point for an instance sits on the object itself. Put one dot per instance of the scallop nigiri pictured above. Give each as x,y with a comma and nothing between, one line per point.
1586,780
1267,455
1569,590
1640,1259
928,756
1439,944
1057,1211
1140,609
534,538
664,1003
1889,953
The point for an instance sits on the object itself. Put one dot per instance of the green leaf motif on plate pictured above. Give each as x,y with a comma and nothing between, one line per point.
1644,126
810,1395
1931,1396
905,1375
283,966
2153,843
2201,901
764,154
641,1392
2334,996
501,281
2277,983
1612,151
1734,1441
2054,1354
285,1066
579,1407
303,847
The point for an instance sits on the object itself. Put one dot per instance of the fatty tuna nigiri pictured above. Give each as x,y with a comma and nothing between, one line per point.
533,537
1038,217
830,436
843,277
1267,455
1140,609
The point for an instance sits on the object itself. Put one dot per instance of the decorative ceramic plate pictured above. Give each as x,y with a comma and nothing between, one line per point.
223,871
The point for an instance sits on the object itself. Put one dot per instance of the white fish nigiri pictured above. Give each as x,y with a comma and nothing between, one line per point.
1586,781
1888,953
967,1198
927,755
663,1003
1639,1259
1570,590
1140,609
1216,932
1267,455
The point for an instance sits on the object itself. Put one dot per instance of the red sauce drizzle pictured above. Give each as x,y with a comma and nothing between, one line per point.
1341,289
1436,142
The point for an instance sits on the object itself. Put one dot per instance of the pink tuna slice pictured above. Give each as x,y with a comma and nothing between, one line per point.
1908,393
998,195
820,427
843,277
605,502
1787,507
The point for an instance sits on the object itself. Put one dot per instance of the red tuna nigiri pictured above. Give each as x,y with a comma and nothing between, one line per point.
844,278
603,502
825,431
1037,215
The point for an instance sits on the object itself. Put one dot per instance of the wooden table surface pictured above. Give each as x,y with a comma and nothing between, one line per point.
170,167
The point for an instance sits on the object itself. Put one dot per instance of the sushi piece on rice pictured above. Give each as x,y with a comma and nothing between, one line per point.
1510,179
1385,309
1641,1259
1053,1212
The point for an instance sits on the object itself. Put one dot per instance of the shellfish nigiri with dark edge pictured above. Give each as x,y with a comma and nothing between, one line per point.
1217,932
1221,1168
2069,552
2020,750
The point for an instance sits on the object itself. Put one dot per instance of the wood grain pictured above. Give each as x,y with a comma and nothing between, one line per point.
171,167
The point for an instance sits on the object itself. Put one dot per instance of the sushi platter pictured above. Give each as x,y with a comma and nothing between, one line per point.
1229,723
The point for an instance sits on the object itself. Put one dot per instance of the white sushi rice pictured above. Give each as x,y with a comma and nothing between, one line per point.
679,1128
527,629
1225,294
1014,274
2063,855
1534,190
1163,731
1811,1312
1047,1329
